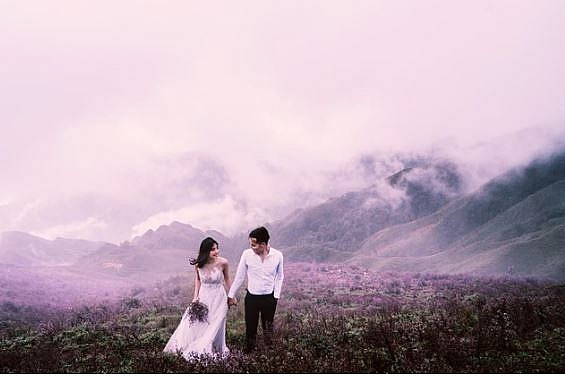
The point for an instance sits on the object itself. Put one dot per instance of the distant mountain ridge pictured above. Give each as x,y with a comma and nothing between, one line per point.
178,235
174,235
20,248
334,230
162,252
417,219
155,254
514,224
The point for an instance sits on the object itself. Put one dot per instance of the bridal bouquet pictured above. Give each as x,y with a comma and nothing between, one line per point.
197,311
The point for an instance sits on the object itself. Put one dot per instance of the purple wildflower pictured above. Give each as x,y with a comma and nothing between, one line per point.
197,311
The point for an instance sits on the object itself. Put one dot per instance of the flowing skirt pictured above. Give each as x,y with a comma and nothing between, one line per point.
198,338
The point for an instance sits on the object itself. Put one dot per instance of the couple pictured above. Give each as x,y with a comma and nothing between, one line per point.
263,267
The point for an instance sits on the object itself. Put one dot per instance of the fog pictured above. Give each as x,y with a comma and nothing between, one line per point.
122,116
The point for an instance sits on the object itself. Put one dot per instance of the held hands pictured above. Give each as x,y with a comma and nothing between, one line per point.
232,302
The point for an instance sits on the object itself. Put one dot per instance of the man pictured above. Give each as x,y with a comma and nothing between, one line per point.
263,266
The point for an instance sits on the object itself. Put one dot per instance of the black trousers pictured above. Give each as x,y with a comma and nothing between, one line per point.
255,306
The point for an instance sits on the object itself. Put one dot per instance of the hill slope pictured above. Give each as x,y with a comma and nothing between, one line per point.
22,249
416,220
158,254
514,224
333,231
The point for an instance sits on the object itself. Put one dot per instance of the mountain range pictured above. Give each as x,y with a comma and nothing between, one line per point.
335,230
156,255
418,220
514,224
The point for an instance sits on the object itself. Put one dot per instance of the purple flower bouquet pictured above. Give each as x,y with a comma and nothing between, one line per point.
197,311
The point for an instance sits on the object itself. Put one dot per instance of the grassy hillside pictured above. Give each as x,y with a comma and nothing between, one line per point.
526,238
330,319
332,231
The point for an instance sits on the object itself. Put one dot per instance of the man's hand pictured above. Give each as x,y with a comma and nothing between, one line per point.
232,302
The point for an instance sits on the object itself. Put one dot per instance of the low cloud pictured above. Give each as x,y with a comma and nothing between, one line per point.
225,215
482,161
89,228
160,112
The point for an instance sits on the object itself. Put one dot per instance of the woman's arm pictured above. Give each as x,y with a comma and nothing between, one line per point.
227,277
196,285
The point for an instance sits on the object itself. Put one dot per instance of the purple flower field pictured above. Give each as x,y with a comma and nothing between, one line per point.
330,319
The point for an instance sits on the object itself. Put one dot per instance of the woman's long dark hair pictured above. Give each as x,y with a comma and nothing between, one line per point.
204,253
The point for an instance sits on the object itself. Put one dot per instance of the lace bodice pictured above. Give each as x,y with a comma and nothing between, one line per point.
211,276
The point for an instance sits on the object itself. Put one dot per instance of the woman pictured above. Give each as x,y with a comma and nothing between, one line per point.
212,280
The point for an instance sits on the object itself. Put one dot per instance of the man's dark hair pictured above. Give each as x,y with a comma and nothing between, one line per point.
261,234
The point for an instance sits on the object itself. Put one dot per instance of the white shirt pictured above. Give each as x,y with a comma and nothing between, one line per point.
263,276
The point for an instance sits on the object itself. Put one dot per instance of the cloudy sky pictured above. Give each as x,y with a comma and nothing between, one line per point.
118,116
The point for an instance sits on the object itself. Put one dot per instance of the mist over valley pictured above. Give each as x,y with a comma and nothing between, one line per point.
414,272
408,159
417,220
411,273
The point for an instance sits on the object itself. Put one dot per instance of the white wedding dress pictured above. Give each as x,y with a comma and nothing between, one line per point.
204,338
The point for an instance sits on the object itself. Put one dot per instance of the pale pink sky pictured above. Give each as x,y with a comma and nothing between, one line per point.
118,116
